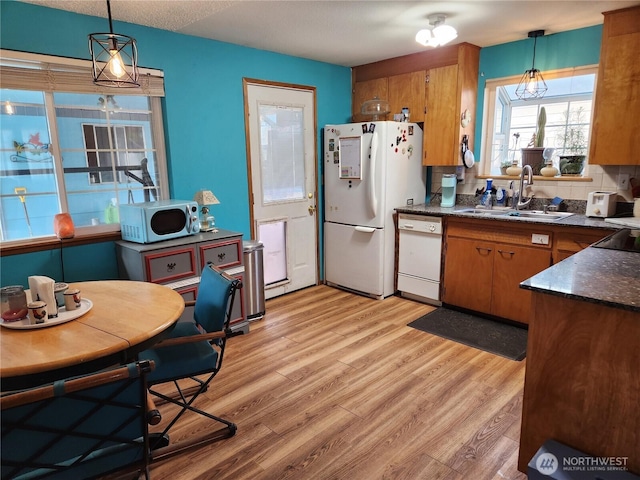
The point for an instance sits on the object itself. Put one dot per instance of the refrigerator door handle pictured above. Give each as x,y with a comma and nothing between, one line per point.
365,229
371,178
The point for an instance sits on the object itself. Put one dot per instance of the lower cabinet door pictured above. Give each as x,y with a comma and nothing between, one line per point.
468,271
512,265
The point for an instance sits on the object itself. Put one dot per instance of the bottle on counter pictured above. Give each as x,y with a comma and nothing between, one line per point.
487,196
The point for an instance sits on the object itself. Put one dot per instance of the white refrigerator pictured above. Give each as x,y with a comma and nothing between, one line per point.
369,170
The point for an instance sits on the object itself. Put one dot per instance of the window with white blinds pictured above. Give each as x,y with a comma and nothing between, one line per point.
25,71
68,145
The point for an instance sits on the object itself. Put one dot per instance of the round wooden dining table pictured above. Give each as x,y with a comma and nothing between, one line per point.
125,318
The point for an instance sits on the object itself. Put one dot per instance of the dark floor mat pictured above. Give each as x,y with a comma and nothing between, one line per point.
491,336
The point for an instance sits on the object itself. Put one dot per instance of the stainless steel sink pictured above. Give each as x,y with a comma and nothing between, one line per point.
482,211
538,214
516,214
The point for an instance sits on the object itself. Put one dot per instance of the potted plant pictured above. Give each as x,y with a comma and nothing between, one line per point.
532,154
503,167
574,142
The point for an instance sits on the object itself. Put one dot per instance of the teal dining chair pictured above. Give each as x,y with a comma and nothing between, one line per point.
81,427
193,352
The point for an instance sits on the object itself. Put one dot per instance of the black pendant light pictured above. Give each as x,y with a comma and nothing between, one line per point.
114,58
532,85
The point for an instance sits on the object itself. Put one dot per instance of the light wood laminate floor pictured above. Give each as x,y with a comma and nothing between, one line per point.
331,385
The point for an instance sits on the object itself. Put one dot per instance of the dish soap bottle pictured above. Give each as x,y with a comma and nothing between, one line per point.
487,196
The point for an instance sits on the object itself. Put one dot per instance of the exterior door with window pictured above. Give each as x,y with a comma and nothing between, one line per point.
282,164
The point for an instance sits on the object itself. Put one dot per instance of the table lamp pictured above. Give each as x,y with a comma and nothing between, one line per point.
204,198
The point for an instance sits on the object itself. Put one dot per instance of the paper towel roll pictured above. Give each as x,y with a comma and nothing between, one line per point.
42,288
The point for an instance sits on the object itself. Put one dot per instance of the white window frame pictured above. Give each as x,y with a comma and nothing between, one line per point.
491,91
48,74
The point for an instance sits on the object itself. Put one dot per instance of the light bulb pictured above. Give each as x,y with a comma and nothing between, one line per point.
8,108
116,65
532,84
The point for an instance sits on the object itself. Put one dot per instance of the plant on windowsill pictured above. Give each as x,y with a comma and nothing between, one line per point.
532,154
574,141
503,167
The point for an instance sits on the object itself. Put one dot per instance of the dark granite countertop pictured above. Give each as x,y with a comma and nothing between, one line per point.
598,275
575,220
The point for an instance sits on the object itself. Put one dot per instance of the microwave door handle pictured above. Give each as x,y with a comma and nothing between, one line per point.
189,219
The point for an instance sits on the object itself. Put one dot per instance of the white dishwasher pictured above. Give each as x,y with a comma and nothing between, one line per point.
419,254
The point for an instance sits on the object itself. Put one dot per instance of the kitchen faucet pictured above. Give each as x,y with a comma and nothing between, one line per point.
517,202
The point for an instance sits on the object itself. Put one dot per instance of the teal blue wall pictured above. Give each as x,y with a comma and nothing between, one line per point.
573,48
203,107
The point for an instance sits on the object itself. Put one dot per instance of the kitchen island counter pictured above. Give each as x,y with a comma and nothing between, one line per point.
596,275
583,351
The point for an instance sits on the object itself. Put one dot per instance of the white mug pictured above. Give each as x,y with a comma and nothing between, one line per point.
37,312
72,299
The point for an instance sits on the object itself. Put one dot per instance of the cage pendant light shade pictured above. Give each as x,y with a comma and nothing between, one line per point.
114,58
532,84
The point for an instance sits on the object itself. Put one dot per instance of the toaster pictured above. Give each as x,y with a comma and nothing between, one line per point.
601,204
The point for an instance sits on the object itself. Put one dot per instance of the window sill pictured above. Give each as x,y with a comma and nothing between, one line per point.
540,178
51,243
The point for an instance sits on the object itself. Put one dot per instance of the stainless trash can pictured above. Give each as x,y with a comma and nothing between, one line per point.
253,251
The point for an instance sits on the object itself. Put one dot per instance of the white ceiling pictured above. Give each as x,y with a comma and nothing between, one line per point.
342,32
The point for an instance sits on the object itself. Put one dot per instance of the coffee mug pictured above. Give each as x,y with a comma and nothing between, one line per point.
37,312
72,299
59,288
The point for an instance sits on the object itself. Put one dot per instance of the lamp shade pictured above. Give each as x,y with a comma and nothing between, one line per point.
205,197
445,33
114,57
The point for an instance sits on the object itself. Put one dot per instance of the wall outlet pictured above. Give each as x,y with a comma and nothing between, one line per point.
539,239
623,181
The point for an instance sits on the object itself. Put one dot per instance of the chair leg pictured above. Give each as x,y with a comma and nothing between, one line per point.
153,414
161,452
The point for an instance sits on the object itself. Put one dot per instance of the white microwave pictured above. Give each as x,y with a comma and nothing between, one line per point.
150,222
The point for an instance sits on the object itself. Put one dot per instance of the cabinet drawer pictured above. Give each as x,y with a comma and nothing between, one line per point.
221,254
170,265
575,243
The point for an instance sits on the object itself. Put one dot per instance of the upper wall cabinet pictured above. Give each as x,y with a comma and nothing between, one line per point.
438,86
407,90
368,90
614,138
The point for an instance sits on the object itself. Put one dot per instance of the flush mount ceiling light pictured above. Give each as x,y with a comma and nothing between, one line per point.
114,58
440,34
532,85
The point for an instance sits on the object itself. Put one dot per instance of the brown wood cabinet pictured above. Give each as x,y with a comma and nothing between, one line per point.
437,86
581,386
367,90
407,90
570,240
614,137
485,263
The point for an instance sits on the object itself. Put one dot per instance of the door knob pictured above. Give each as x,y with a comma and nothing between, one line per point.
312,209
